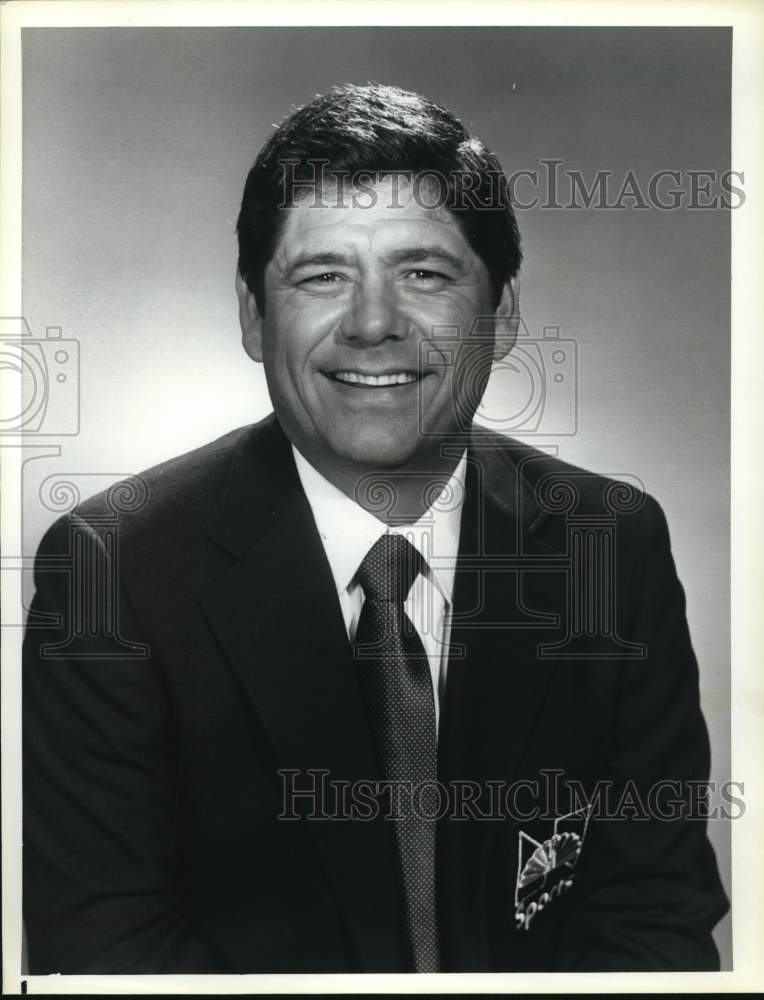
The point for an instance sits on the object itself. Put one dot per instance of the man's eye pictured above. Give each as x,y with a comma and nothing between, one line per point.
424,276
326,278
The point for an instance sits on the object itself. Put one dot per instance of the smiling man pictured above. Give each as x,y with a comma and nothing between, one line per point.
344,691
353,292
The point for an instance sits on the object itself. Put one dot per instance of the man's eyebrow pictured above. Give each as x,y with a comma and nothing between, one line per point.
418,254
323,259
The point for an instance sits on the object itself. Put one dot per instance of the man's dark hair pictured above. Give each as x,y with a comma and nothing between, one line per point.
373,131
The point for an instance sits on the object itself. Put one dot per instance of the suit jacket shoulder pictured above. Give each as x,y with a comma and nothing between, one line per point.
544,492
173,493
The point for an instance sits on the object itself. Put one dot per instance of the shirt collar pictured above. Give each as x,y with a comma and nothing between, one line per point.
348,531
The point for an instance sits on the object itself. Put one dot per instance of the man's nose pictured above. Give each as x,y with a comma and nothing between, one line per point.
373,314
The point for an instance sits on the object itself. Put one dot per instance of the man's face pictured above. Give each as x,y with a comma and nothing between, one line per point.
351,293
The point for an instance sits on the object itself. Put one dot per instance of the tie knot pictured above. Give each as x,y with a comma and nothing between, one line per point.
389,569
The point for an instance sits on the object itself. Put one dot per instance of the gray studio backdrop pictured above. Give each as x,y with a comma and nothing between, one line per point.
136,144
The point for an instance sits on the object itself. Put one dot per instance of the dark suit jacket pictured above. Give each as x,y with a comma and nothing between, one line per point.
186,642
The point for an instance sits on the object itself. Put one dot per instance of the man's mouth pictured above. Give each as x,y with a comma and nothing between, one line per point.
362,379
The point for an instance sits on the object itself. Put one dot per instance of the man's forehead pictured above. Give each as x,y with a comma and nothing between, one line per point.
366,219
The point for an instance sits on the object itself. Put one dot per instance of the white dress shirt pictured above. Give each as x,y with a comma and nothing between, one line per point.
348,532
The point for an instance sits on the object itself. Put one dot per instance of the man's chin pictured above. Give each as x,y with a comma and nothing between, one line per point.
377,448
379,456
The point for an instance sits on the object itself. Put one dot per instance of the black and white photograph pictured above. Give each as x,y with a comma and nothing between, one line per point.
378,601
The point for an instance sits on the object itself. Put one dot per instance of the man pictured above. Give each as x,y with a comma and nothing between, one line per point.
361,688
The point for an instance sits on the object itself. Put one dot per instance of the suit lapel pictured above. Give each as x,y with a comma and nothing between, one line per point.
496,681
277,616
496,684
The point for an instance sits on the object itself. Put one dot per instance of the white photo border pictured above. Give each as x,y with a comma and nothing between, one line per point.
747,696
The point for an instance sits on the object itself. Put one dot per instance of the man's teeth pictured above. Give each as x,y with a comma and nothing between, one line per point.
396,378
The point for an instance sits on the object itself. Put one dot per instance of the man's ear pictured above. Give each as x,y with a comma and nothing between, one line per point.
507,319
250,320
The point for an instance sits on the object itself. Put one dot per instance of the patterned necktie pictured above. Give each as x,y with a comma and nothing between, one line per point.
395,676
